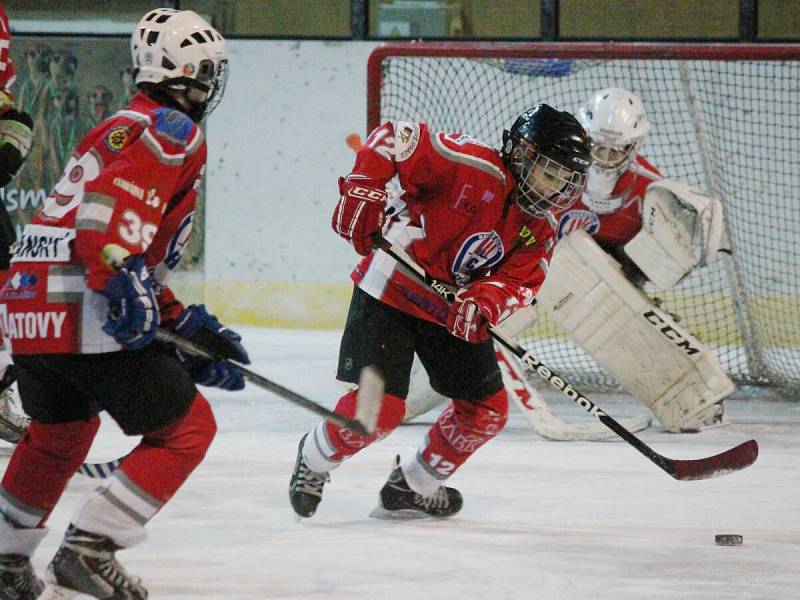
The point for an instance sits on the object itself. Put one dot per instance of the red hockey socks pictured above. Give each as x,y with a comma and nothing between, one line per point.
461,429
148,477
328,444
42,464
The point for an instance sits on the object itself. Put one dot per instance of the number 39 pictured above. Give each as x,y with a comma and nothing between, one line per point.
134,231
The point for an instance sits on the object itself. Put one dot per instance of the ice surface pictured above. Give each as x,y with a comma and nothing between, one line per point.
546,520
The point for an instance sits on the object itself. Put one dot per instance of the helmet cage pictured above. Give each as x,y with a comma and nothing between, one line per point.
610,157
210,79
543,184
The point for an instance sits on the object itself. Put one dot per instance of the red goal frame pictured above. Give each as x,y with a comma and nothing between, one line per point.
579,50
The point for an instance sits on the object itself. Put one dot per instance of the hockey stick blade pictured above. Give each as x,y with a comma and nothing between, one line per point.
181,343
730,461
735,459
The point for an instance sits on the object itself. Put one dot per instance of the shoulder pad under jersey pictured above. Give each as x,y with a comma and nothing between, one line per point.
172,125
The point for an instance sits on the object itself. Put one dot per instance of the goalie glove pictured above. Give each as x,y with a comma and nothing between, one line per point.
202,328
359,213
476,307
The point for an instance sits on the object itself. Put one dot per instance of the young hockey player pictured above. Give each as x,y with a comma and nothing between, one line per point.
98,256
477,219
688,391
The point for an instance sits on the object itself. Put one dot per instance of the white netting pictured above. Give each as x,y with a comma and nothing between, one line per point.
726,126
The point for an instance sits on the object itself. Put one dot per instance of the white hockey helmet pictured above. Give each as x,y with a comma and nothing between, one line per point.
614,118
180,48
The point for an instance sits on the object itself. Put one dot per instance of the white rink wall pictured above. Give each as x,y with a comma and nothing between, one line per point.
276,148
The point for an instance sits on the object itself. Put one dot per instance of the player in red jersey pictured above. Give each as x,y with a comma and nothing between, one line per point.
92,270
610,209
475,218
16,133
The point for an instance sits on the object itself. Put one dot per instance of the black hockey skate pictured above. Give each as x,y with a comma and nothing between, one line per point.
85,564
398,500
305,488
18,581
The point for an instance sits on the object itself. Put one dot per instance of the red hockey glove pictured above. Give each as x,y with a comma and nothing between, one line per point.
359,213
475,308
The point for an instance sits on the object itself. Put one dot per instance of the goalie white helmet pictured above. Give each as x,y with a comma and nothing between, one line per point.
615,120
180,50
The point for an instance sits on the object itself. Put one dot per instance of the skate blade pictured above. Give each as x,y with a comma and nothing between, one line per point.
398,515
56,592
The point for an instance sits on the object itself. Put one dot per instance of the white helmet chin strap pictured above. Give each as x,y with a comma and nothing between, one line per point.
599,187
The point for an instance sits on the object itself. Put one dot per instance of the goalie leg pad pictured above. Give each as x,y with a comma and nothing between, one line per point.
461,429
421,396
654,359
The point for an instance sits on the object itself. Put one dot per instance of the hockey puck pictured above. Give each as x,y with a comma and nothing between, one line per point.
728,539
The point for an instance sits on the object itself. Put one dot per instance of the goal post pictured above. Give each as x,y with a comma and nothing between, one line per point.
726,119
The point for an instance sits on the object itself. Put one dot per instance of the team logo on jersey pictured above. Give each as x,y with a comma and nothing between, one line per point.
20,286
117,138
406,140
577,219
479,251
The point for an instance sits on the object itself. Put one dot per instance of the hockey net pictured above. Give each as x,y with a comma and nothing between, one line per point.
725,119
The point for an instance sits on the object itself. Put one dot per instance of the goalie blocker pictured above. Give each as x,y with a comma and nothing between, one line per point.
654,358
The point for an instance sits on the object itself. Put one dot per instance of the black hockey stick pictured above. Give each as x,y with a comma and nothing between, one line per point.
735,459
367,406
370,394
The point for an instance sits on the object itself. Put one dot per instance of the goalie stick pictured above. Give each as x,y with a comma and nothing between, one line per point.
544,421
528,400
735,459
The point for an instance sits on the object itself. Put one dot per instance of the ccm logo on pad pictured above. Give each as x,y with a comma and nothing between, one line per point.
671,334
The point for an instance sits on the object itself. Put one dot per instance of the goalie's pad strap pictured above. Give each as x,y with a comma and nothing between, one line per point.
654,358
681,228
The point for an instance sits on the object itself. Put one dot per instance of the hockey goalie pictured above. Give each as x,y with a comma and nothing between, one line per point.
632,226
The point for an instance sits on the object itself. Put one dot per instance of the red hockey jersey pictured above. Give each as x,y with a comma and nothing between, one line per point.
7,71
132,181
456,218
616,228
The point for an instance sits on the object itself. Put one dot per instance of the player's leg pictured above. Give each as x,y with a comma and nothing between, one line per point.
61,432
148,393
469,374
375,334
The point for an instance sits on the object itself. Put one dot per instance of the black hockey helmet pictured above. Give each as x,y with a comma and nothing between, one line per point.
549,154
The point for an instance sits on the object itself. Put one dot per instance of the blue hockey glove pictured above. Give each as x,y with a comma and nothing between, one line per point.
202,328
132,309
